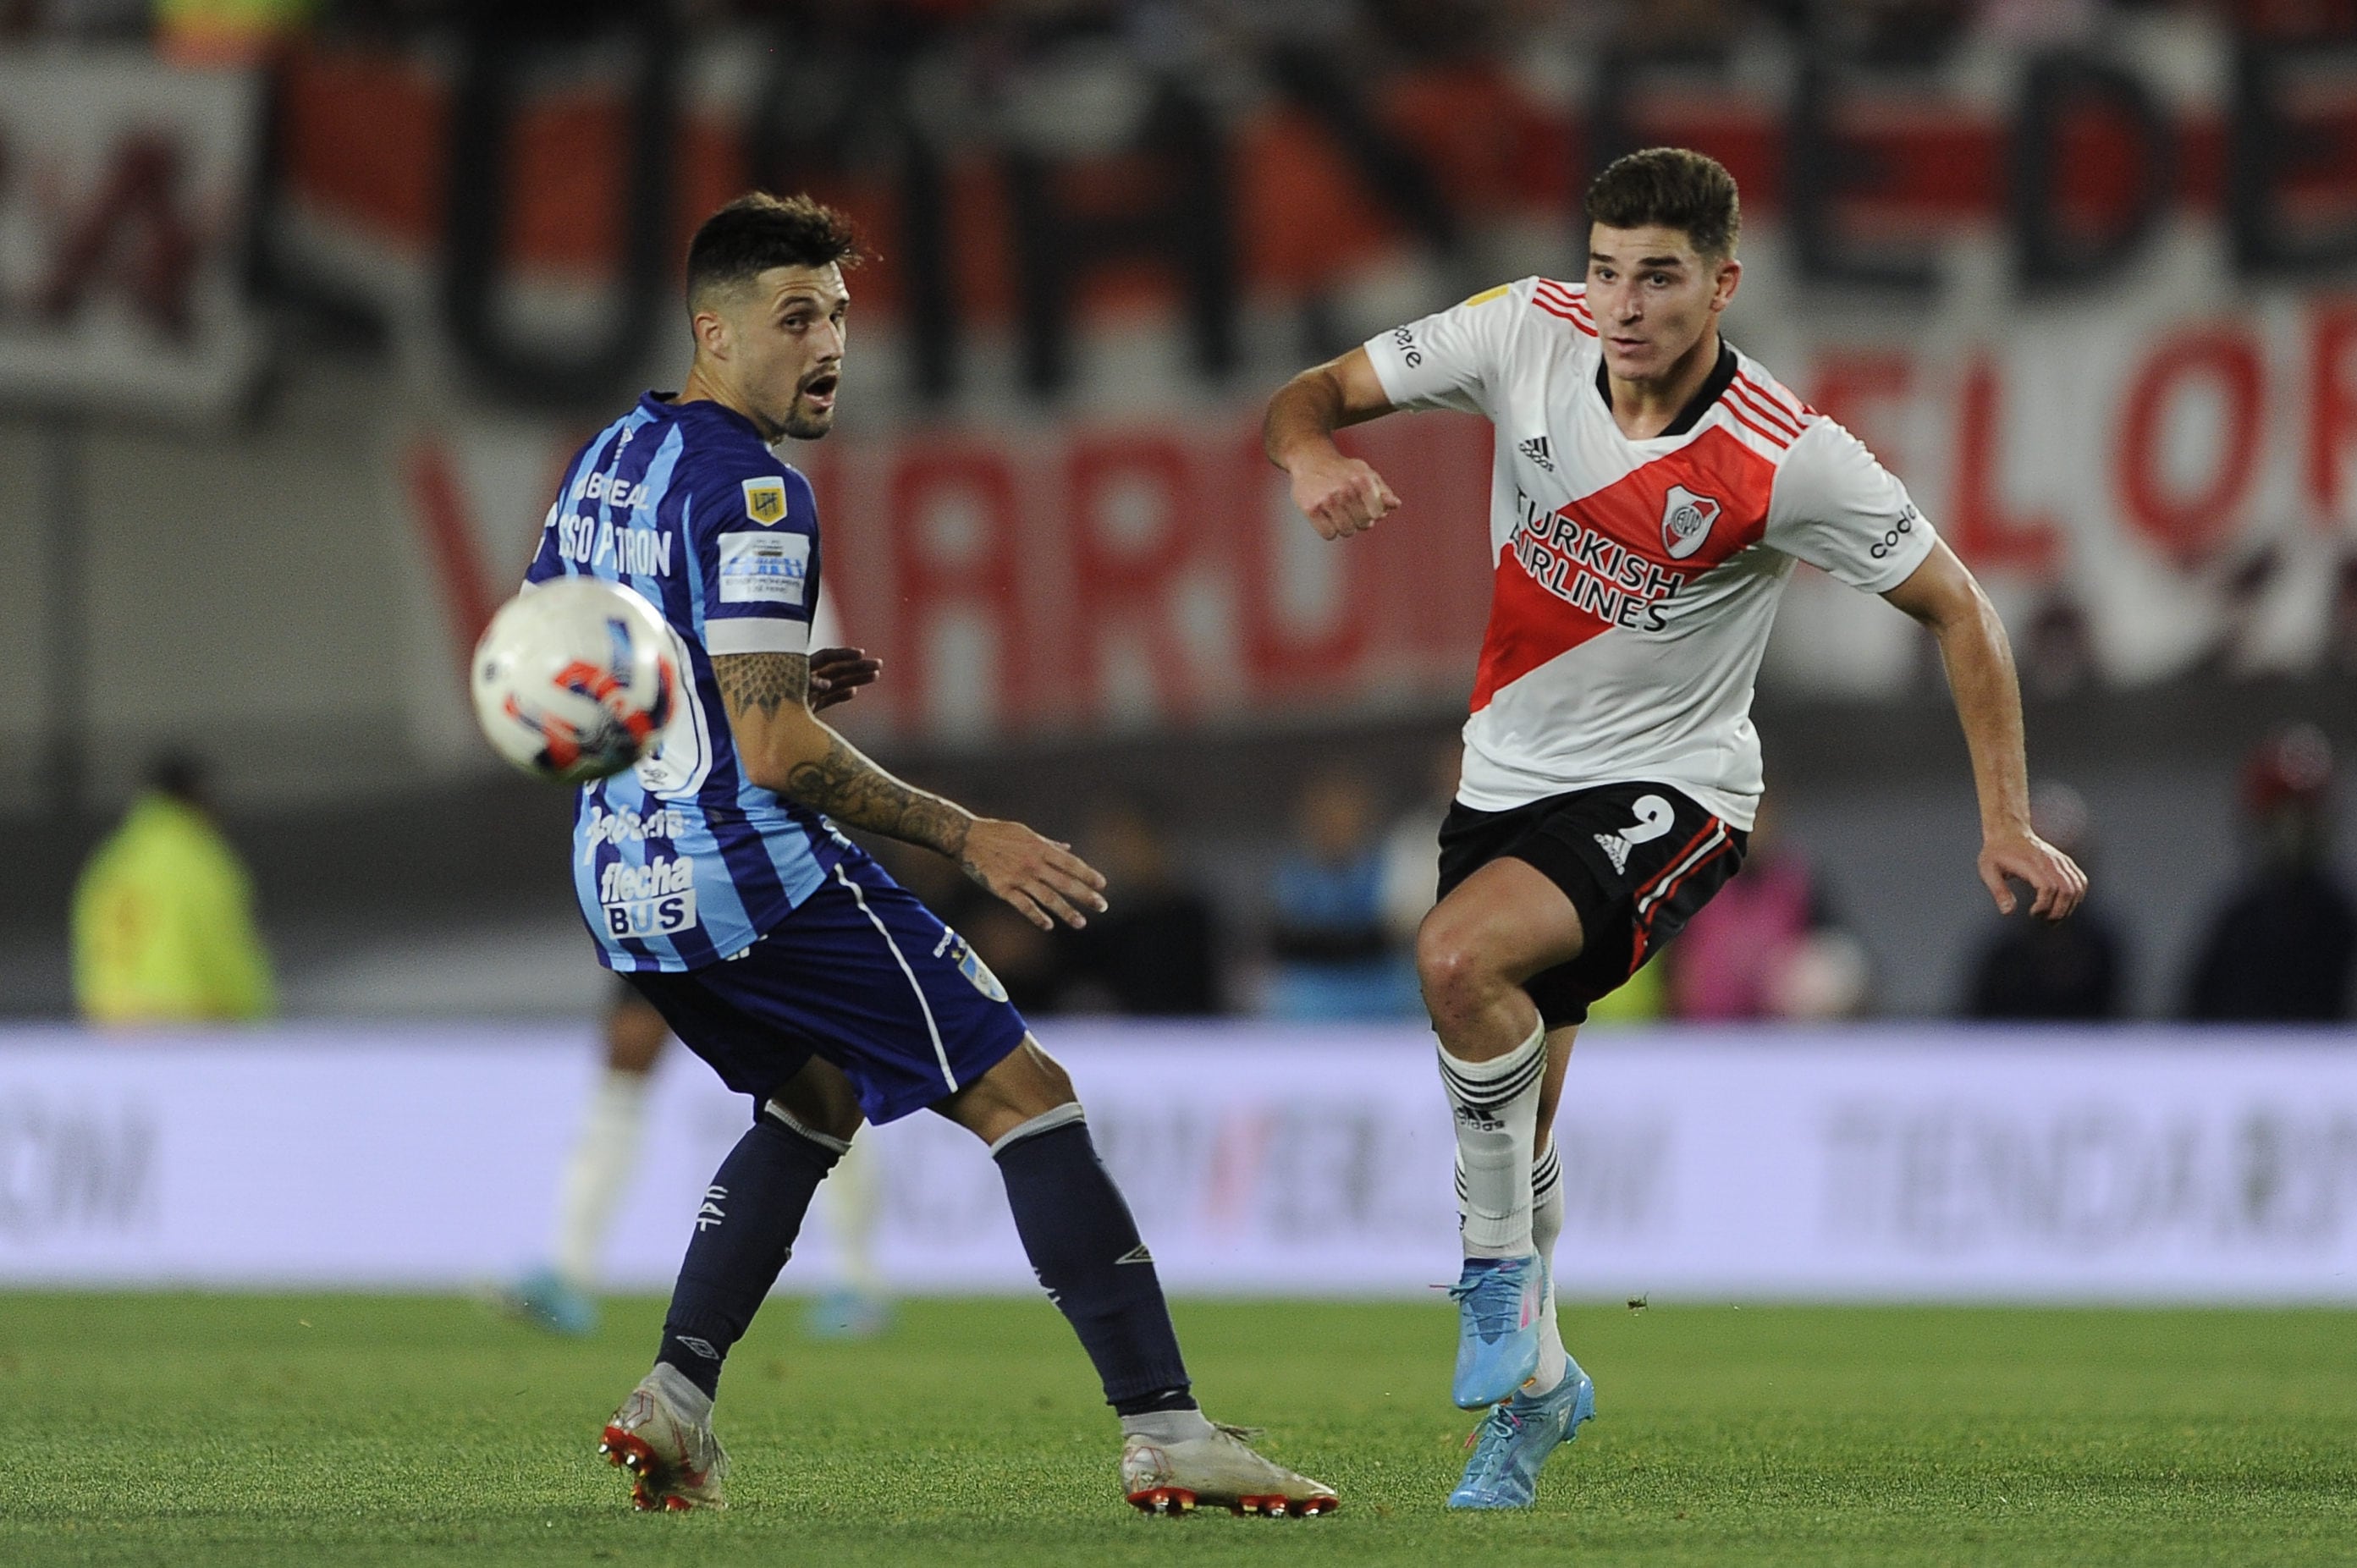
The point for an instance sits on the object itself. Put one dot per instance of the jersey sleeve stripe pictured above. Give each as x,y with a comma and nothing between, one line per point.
1777,437
1795,413
1559,298
755,634
1564,315
1775,415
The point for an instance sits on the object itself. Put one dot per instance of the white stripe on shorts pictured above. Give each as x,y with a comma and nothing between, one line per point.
924,1007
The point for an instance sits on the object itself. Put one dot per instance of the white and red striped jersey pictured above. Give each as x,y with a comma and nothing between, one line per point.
1636,580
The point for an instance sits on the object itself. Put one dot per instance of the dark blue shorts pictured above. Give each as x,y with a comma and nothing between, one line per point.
861,974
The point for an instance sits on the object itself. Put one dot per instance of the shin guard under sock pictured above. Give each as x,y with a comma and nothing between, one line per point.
744,1233
1496,1106
1084,1247
1546,1228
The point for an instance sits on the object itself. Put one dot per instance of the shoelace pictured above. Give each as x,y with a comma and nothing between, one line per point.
1497,1299
1502,1424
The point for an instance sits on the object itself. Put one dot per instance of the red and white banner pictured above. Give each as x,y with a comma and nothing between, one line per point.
2148,483
2093,303
123,188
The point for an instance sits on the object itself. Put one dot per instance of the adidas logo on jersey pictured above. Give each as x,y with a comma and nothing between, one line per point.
1535,449
1616,849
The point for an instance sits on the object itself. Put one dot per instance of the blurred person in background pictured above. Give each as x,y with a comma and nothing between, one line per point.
560,1295
163,917
1410,875
1157,952
216,33
1769,946
2279,950
2033,969
1330,934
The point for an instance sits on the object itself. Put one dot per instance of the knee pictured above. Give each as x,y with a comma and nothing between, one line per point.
1450,967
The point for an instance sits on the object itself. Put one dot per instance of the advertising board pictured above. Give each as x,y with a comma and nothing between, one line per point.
1867,1163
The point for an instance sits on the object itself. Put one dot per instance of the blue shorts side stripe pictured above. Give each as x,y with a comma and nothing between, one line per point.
932,1029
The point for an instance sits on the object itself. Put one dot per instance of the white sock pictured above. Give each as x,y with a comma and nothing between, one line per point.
1496,1113
1166,1426
849,1195
1546,1228
594,1172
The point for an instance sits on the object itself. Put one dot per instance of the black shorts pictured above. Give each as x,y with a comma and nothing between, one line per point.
1635,859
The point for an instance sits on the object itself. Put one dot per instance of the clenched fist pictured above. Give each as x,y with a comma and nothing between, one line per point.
1341,496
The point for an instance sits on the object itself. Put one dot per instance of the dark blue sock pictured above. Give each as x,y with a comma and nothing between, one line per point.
1083,1245
744,1233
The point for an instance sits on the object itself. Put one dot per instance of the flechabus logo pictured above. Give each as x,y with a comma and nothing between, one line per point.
650,900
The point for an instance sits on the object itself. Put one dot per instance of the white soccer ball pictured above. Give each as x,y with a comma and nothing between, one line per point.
574,680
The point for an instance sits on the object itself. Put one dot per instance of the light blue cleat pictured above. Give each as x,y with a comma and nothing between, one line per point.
542,1299
1516,1439
1498,1305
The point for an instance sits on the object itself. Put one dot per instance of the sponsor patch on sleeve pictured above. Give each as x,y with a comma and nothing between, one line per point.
765,499
764,568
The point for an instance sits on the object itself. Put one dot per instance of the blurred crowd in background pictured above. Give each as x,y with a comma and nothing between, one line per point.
166,931
1894,30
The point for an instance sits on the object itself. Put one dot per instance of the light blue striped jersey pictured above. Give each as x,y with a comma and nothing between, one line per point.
683,861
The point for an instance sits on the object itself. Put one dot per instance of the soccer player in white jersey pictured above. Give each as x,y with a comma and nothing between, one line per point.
1652,489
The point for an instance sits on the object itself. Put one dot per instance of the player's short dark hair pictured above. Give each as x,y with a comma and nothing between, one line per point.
758,231
1670,187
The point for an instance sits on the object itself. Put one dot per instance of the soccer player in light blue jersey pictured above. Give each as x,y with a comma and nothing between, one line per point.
716,884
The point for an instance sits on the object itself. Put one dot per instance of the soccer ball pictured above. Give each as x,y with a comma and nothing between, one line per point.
576,679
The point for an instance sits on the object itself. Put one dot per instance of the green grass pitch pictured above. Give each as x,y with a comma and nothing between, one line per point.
177,1430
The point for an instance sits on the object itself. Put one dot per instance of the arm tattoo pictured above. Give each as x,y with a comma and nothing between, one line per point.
763,682
850,789
841,782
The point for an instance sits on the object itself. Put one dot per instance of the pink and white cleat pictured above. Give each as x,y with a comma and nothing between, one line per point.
1216,1468
662,1436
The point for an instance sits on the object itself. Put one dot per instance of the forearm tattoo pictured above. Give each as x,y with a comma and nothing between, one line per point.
850,789
842,782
